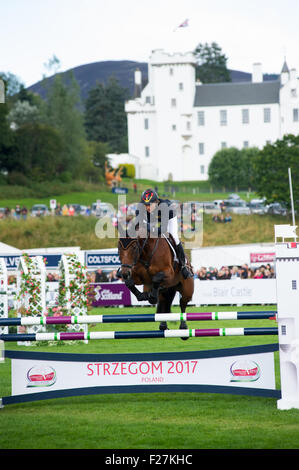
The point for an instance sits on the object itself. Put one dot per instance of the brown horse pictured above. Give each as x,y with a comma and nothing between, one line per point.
150,262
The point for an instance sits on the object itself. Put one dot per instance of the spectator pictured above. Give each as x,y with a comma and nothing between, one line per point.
65,210
112,276
7,212
101,276
235,273
71,211
227,218
24,212
18,212
222,206
88,211
258,274
221,276
58,209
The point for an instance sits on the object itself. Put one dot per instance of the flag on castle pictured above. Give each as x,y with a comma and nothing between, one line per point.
183,25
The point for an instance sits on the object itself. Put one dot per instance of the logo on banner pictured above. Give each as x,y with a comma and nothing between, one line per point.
107,294
244,371
41,376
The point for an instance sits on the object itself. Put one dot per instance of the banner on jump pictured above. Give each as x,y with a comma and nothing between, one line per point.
255,371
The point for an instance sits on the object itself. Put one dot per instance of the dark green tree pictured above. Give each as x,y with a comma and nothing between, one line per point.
271,165
38,152
62,112
105,117
233,168
211,64
6,138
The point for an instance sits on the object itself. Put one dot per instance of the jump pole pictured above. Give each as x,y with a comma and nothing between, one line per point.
187,333
136,318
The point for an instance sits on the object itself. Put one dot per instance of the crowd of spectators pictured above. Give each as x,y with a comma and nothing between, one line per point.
235,272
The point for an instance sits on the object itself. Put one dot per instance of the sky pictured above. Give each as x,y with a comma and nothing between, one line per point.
80,32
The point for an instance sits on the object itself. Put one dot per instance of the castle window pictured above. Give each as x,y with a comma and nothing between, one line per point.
147,151
173,102
202,169
223,145
181,86
223,117
173,127
245,116
146,123
295,114
171,71
201,118
267,114
245,144
201,148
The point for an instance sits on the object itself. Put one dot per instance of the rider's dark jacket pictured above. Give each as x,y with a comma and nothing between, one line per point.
157,221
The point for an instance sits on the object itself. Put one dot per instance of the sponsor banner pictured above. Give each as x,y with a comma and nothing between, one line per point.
234,292
107,293
11,261
254,370
262,257
103,259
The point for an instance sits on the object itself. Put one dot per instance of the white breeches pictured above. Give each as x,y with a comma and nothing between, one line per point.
172,228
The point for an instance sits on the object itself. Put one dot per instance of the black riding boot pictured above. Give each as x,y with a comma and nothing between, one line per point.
182,259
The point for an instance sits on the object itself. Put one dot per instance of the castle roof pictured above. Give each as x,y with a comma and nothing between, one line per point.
231,93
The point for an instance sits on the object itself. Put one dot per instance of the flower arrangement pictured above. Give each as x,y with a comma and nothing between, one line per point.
30,287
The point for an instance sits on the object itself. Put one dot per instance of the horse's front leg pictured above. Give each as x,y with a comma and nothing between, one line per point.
140,296
157,279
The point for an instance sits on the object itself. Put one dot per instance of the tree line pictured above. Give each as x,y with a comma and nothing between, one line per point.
265,170
60,138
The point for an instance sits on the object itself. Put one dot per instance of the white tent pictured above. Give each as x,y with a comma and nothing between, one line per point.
7,249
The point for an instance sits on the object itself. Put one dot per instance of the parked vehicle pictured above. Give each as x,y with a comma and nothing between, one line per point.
236,206
257,206
277,208
102,209
39,210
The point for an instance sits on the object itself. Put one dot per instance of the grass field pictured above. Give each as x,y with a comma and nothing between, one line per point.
150,421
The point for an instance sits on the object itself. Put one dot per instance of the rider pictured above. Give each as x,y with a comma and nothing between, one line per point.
167,222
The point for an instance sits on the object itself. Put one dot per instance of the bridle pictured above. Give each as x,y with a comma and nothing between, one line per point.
139,253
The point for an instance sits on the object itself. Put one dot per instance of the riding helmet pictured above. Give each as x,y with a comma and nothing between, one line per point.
149,196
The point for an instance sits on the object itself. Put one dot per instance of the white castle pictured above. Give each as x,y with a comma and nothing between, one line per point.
176,124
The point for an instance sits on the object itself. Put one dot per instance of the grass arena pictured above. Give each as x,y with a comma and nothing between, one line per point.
132,418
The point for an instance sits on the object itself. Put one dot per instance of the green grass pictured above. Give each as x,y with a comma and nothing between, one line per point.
150,421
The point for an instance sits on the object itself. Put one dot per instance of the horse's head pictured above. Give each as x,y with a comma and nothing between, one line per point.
129,251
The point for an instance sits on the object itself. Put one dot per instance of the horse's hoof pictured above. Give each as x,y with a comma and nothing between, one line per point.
183,326
163,326
152,300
